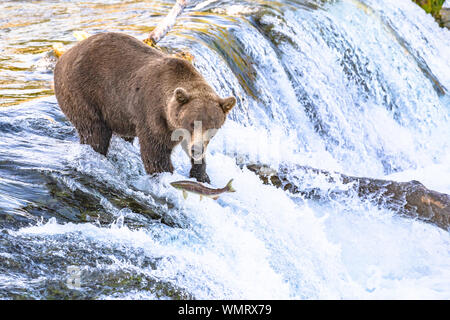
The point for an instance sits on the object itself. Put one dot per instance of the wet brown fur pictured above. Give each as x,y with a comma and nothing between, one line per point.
114,83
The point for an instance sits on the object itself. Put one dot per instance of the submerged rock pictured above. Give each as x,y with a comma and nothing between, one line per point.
410,199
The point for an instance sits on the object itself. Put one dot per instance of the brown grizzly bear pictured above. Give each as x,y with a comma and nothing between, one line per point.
114,83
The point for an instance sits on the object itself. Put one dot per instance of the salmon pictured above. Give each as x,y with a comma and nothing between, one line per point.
198,188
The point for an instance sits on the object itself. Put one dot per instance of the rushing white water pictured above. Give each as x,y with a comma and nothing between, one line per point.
359,87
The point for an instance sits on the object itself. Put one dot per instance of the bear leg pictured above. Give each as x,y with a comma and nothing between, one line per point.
90,126
97,136
86,118
198,171
155,155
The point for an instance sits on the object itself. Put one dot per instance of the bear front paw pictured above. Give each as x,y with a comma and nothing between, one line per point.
200,176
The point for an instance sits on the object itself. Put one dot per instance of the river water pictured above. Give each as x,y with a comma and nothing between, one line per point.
359,87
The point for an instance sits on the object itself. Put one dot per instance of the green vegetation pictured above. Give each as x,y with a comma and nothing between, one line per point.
431,6
434,7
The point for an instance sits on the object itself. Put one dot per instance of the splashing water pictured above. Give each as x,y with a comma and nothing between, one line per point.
359,87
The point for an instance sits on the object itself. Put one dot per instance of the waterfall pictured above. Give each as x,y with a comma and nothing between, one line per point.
356,86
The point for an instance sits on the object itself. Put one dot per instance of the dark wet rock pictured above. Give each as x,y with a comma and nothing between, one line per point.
37,268
410,199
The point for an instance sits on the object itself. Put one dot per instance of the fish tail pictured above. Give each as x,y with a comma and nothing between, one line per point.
229,187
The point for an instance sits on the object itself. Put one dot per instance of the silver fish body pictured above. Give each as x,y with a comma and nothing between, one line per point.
201,190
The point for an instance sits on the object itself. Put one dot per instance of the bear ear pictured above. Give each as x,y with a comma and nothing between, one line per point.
181,95
227,104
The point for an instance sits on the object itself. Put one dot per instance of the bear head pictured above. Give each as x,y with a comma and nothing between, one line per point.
194,118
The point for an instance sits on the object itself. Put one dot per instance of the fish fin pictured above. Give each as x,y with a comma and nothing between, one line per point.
185,194
201,197
216,197
230,187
